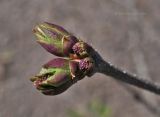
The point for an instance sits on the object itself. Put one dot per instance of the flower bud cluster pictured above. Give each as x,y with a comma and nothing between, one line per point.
75,63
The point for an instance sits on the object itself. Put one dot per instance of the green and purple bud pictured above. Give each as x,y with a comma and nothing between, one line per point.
59,74
55,39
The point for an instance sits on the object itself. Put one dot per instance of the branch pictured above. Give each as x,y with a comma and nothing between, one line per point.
108,69
118,74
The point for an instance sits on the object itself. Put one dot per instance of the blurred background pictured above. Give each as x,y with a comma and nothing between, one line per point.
125,32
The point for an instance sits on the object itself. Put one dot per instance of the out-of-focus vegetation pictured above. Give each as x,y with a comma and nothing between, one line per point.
93,109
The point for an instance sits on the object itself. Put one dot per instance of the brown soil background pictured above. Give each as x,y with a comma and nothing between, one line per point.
125,32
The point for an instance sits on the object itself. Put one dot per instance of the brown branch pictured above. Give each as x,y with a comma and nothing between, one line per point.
118,74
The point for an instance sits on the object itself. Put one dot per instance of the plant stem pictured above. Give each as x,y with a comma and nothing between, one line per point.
118,74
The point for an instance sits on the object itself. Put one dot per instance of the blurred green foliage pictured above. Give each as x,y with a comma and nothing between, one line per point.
93,109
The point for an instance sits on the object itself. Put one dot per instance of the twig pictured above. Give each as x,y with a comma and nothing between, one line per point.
118,74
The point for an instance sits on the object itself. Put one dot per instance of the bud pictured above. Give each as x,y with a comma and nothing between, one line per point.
81,49
86,65
55,39
59,74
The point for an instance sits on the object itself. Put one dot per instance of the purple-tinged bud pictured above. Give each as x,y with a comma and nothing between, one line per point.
57,75
81,49
55,39
86,64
